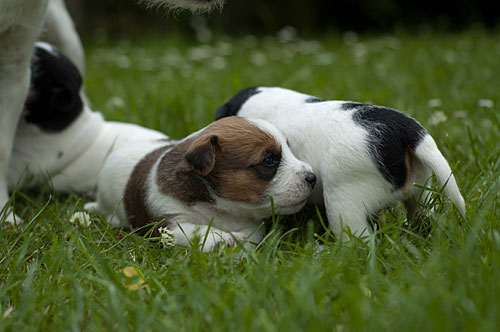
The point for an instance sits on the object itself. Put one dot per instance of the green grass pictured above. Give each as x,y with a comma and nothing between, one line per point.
444,276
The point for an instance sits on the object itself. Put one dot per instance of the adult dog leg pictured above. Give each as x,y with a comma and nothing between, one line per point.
60,31
17,47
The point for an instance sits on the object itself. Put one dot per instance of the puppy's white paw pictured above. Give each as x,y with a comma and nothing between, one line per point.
13,219
229,239
91,207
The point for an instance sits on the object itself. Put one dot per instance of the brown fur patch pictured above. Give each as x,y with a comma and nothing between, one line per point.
228,161
177,179
410,160
32,96
134,196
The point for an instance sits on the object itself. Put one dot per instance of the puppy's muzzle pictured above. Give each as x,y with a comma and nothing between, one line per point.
311,179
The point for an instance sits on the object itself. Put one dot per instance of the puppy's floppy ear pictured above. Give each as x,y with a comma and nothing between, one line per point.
202,153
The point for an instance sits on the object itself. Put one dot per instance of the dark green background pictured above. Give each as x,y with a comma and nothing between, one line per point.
313,16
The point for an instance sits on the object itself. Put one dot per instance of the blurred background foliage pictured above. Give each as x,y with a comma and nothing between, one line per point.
257,17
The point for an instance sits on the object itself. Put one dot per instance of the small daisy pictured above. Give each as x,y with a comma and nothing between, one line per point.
435,102
488,103
167,237
80,218
437,118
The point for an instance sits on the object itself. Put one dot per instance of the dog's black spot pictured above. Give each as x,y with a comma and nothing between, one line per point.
391,134
54,101
233,106
314,100
60,154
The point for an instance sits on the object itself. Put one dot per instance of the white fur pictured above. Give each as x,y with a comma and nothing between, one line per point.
20,24
59,30
349,182
231,220
71,159
285,187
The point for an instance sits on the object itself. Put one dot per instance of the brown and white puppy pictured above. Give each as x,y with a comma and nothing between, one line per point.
226,172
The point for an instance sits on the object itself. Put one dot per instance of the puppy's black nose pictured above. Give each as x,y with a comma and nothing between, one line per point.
311,179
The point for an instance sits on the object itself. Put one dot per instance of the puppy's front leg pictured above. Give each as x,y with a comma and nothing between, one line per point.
184,234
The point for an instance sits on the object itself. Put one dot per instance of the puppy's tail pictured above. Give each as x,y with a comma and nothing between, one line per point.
429,154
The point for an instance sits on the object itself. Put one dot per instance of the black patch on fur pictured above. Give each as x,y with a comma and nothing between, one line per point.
54,101
233,106
391,134
314,100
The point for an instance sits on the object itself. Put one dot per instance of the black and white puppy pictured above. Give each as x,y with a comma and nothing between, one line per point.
365,156
58,135
226,172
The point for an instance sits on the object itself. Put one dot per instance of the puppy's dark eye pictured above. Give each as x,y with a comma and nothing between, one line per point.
270,160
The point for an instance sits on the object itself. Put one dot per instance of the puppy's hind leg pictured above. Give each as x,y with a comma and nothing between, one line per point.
345,209
417,197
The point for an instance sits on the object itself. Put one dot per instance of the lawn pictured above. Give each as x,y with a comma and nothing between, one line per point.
443,276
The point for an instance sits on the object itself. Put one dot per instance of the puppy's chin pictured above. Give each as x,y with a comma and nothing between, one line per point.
289,209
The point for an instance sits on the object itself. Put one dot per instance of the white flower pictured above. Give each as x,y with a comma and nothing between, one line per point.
258,59
435,102
80,218
324,59
123,61
488,103
224,48
199,53
437,118
116,102
359,50
308,46
167,237
249,41
203,35
486,124
350,38
218,63
286,34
